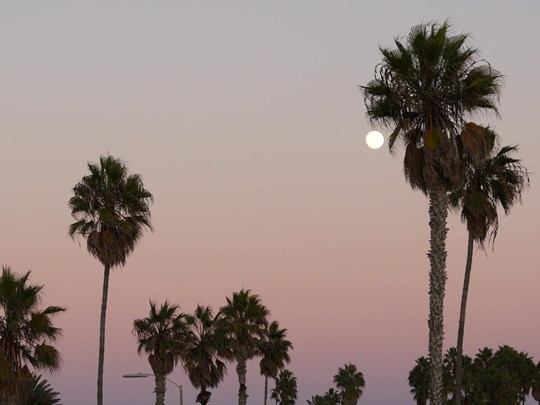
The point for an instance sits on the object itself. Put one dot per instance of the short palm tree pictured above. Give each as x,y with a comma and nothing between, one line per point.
322,400
424,91
419,381
111,209
243,319
285,391
274,352
491,180
536,387
27,335
206,349
162,335
350,383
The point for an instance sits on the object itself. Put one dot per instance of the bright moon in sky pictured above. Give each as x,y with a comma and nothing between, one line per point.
374,139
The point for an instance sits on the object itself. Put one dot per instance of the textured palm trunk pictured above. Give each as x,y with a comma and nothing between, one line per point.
102,334
461,328
438,212
265,389
242,390
160,389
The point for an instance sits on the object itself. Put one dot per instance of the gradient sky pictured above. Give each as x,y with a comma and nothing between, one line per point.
245,120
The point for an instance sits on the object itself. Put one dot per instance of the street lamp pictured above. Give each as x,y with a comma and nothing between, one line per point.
145,375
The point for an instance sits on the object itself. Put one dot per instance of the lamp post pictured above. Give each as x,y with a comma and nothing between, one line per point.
146,375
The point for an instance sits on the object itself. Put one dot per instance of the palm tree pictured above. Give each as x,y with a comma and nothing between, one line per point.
244,322
274,351
111,209
27,335
285,392
536,387
424,91
205,348
323,400
162,336
493,180
350,383
419,381
41,393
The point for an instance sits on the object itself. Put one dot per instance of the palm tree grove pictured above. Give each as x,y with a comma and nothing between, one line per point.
434,94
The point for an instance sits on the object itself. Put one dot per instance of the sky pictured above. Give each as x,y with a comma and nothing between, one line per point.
245,120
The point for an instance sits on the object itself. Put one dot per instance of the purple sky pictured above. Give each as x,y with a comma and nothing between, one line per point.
245,120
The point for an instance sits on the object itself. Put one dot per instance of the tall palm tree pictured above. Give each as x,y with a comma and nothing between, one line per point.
492,180
161,335
206,347
27,335
244,321
111,209
419,381
424,91
285,392
350,383
274,351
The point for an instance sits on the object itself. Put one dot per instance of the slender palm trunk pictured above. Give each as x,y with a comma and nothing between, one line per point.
160,389
438,212
265,389
102,333
242,391
461,328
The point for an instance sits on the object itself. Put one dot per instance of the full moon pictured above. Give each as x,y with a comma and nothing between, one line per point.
374,139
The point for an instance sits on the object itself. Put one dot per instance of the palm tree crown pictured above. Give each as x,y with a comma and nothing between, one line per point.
285,392
27,333
350,383
112,210
496,179
423,91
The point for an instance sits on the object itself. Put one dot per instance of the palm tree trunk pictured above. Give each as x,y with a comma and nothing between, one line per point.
461,328
265,389
438,212
160,389
242,390
102,333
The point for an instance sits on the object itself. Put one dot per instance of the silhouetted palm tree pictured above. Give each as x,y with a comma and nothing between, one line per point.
285,392
419,381
536,387
424,91
244,321
162,335
27,335
491,180
350,383
206,347
274,351
111,208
